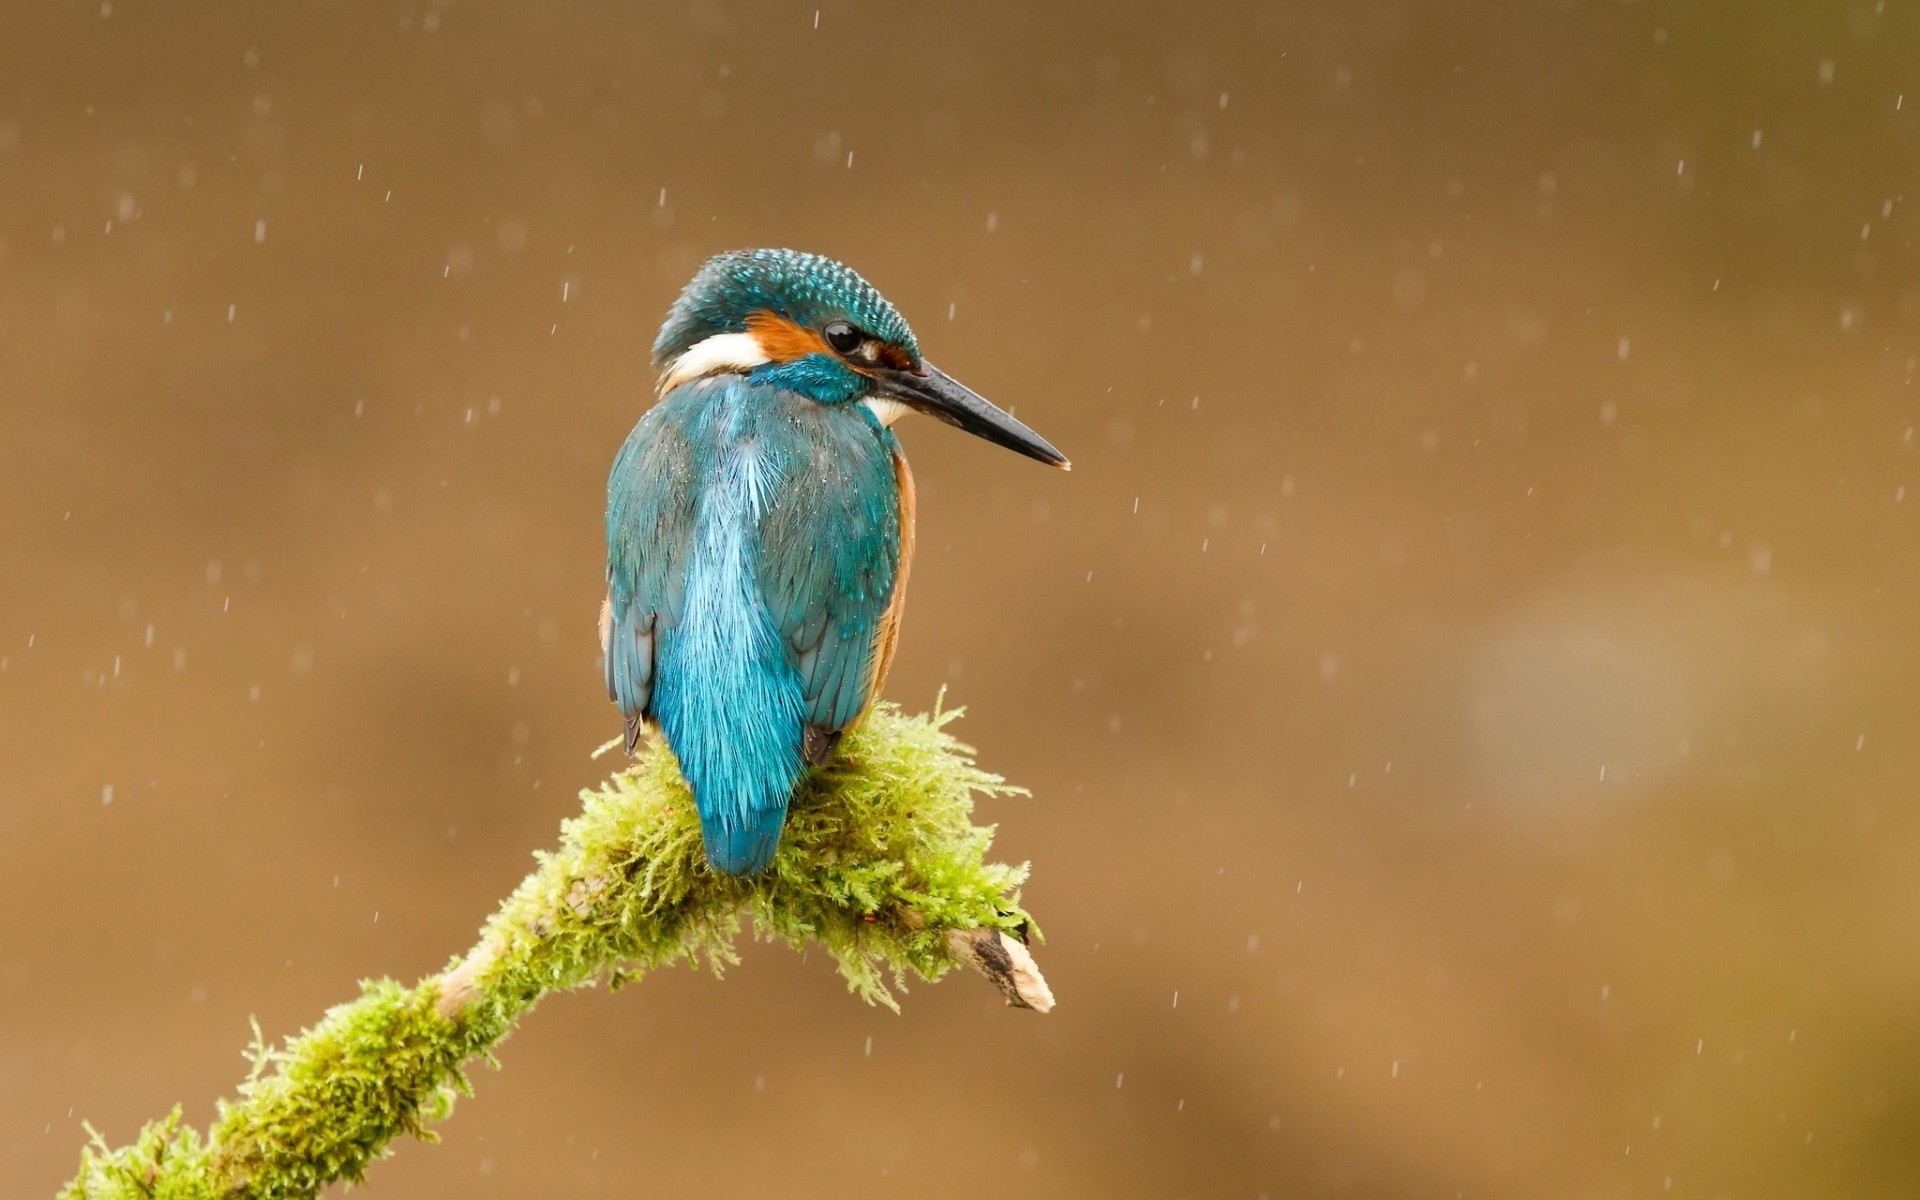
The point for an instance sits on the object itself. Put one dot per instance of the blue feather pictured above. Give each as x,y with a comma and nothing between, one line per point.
729,701
753,544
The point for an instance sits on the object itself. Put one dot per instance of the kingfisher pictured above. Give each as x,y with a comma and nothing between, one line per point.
760,529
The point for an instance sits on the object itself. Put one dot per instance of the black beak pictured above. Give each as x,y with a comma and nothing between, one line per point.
934,392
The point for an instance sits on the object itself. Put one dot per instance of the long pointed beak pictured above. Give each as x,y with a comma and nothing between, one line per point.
932,391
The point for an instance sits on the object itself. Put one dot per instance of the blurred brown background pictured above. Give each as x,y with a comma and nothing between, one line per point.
1468,682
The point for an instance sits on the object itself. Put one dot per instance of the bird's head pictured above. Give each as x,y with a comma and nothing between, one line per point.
812,326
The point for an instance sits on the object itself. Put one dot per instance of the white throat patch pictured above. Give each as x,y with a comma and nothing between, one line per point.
888,411
723,353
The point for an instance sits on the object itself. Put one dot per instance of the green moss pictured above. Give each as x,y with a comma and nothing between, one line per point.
880,858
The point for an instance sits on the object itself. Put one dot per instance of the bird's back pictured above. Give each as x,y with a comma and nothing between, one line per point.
753,561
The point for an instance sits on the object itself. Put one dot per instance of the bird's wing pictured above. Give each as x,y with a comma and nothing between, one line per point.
650,513
830,560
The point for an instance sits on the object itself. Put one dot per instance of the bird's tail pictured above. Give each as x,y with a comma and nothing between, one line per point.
742,843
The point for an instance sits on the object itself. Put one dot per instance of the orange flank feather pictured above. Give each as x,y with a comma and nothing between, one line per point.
888,635
782,340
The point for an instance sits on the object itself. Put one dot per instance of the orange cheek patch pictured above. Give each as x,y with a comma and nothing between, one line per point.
781,340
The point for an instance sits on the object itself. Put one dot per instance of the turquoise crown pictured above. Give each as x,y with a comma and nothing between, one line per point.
807,289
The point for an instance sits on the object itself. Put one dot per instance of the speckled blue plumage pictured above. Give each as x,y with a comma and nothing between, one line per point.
804,288
753,537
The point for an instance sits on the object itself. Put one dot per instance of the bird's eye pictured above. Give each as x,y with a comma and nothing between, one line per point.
844,338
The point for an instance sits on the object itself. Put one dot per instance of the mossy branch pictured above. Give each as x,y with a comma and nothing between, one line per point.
881,864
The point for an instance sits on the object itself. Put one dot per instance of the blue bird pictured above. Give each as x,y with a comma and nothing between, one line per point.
760,527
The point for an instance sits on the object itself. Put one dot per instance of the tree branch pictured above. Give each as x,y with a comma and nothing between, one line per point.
881,864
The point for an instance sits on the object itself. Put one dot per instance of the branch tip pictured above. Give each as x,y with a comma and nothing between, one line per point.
1006,963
